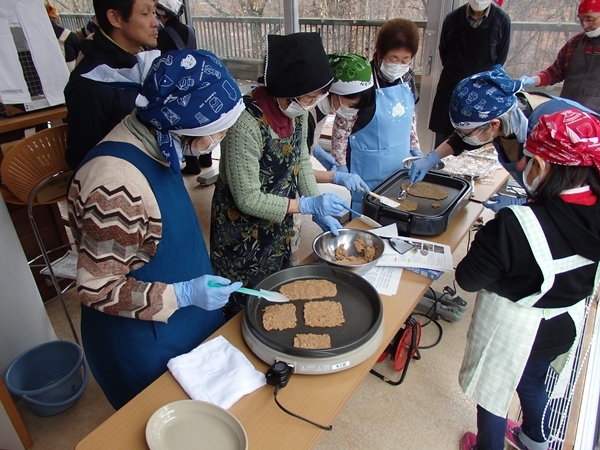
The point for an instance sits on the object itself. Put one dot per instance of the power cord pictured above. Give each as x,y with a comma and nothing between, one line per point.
278,375
431,318
323,427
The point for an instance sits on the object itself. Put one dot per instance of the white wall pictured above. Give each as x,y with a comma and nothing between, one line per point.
24,322
8,436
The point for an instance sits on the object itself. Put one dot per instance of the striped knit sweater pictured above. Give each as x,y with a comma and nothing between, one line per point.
116,224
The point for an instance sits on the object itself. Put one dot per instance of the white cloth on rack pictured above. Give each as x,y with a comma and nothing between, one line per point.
216,372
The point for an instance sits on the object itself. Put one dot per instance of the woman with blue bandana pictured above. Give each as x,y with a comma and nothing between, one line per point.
143,268
489,107
265,173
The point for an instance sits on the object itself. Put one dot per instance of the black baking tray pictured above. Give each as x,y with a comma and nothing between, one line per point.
363,311
426,220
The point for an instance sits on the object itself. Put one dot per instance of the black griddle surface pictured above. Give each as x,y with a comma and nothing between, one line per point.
360,301
424,208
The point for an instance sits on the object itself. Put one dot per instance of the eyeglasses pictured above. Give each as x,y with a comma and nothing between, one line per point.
312,101
463,135
587,21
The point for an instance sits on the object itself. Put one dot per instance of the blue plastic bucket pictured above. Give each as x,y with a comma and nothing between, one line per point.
50,378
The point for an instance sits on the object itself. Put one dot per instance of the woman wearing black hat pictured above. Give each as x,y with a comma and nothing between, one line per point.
265,174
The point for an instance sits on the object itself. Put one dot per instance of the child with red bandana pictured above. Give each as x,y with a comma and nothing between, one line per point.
535,267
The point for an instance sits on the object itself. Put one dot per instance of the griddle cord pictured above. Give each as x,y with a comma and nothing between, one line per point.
296,415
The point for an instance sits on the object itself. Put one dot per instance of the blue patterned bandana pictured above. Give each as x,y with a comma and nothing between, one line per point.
478,99
182,92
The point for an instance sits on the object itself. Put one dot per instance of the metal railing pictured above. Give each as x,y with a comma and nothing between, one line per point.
534,45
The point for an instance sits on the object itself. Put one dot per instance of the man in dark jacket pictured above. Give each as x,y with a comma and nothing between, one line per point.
474,38
126,28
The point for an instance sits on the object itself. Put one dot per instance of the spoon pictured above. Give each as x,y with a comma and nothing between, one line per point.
363,218
267,295
404,192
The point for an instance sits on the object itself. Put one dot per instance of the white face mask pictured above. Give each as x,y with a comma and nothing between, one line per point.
475,141
536,181
191,150
392,71
345,112
293,110
325,106
594,33
479,5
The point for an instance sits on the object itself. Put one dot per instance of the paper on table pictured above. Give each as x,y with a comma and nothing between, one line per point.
384,279
425,255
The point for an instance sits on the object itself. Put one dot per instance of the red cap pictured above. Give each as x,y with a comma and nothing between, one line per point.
499,2
569,138
588,6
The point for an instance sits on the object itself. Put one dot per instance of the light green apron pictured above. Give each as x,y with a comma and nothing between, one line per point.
502,332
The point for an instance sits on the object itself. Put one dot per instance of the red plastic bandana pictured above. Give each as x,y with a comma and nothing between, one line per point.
570,138
588,6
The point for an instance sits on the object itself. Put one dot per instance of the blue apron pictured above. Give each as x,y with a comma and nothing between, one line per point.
126,355
377,150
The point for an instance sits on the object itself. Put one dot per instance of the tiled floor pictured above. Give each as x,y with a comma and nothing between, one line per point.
426,412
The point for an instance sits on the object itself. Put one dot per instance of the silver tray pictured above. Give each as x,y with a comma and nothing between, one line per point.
469,165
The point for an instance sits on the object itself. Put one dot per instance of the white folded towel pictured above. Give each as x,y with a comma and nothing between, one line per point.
216,372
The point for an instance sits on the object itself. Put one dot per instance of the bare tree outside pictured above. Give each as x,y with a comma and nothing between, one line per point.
242,24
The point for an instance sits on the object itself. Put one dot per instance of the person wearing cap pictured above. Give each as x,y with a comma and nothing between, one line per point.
143,266
265,174
578,61
350,91
535,267
385,131
489,107
174,35
67,40
474,38
93,109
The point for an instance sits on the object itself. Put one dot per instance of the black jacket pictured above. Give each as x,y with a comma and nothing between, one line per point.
166,43
94,108
501,261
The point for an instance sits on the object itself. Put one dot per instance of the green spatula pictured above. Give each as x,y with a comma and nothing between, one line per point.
267,295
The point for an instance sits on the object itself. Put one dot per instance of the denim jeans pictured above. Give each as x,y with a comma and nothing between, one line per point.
533,397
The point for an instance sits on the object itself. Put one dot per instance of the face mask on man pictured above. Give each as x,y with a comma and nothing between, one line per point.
479,5
392,71
294,109
593,34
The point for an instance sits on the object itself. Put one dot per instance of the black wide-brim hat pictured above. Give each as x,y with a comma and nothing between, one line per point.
296,65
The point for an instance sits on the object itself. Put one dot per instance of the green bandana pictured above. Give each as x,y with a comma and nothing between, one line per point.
351,73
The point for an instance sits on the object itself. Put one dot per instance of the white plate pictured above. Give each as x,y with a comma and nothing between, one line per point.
192,424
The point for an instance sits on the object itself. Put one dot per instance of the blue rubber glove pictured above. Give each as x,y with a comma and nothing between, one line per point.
325,159
420,167
500,201
322,205
350,181
342,168
328,223
416,152
527,81
197,292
